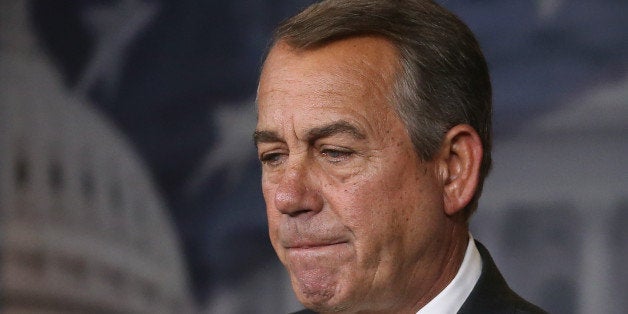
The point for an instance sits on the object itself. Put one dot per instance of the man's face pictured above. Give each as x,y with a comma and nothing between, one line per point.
354,215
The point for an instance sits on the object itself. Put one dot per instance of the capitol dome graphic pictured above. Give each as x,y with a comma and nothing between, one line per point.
82,226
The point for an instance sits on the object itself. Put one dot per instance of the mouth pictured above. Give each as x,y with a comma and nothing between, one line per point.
309,250
312,246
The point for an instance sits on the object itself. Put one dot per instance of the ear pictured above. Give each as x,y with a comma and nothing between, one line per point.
459,167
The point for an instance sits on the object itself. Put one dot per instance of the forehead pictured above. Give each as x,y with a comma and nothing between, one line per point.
350,76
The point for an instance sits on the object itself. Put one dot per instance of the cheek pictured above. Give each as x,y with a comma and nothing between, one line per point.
382,207
371,194
273,216
365,209
268,200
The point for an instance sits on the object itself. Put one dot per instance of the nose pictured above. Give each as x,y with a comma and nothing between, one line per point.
297,192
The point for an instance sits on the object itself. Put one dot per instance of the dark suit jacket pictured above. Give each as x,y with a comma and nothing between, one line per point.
491,293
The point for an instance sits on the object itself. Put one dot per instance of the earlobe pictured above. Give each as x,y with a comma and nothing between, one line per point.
461,156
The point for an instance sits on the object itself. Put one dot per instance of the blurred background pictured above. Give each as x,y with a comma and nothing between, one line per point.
129,182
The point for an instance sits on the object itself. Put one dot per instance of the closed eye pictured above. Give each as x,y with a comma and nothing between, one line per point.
272,158
336,155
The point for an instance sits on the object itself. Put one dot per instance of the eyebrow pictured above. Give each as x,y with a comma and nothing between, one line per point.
334,128
313,134
266,137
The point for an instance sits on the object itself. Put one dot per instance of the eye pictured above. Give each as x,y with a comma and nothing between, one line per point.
272,158
336,155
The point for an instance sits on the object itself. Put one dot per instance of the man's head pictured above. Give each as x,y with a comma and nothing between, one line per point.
368,122
443,80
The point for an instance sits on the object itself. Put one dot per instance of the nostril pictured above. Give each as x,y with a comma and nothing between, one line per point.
299,212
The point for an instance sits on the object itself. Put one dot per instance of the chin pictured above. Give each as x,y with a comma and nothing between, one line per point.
327,307
329,300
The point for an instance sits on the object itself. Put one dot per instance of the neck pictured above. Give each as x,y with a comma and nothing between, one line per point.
454,249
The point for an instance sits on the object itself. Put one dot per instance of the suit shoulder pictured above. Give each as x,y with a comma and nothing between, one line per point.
492,294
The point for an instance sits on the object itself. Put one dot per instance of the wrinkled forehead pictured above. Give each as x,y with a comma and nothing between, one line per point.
347,78
363,62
